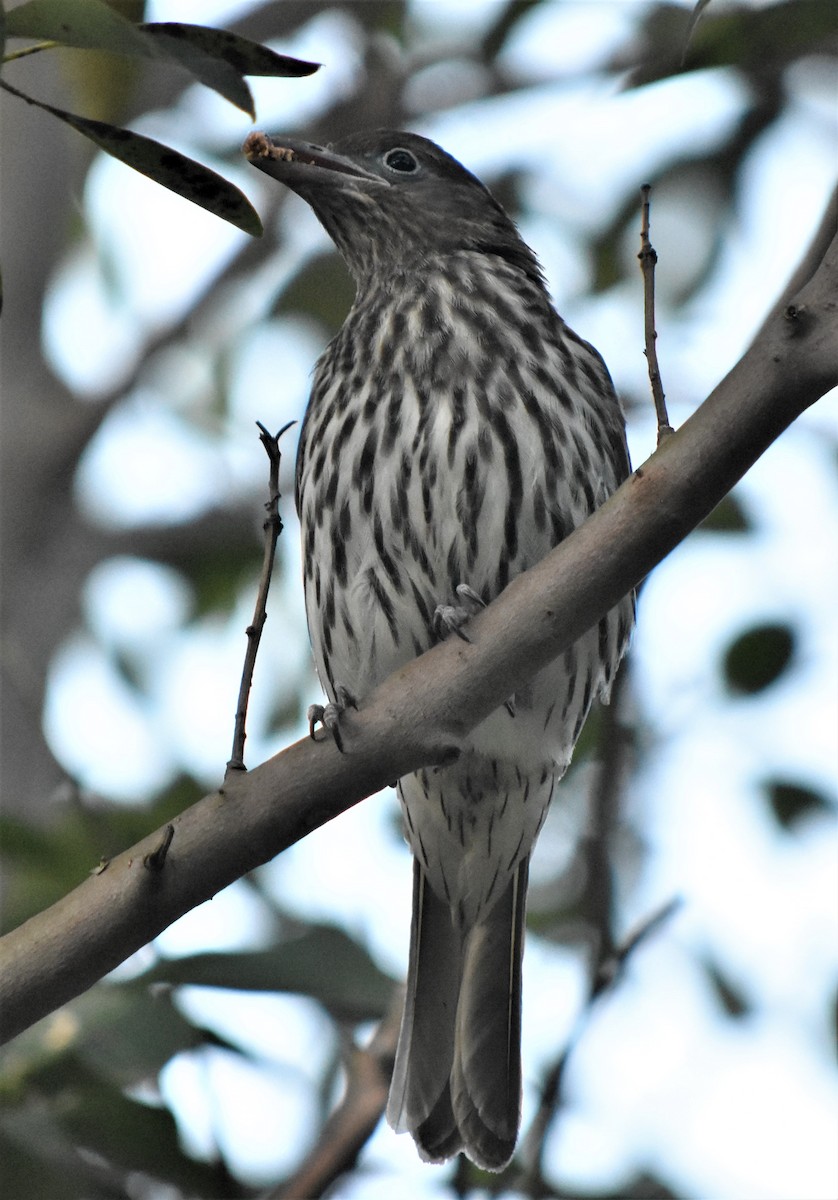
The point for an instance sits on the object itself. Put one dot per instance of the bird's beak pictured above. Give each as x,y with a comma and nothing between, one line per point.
294,162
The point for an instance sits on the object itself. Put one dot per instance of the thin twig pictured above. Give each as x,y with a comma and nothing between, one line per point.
648,258
273,528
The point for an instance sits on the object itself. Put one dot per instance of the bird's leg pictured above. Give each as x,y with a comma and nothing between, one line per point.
329,715
450,618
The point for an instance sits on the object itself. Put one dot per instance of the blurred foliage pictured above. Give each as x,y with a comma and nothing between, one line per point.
727,517
43,863
727,993
319,961
793,804
79,1113
758,657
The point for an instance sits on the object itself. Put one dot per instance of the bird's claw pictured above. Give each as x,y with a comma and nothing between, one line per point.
329,715
450,618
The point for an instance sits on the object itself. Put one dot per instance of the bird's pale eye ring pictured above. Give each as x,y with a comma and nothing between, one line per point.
401,160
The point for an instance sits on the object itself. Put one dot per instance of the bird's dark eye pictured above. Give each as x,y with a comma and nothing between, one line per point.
401,160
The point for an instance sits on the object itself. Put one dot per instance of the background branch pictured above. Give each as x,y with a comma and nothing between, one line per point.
350,1126
420,714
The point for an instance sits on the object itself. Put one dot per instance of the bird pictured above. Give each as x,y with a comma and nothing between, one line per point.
457,430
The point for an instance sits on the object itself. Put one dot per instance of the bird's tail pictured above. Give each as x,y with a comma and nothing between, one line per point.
457,1076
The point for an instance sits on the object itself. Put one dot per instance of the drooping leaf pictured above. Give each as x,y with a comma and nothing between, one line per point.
95,25
210,70
128,1033
220,59
324,963
162,164
243,55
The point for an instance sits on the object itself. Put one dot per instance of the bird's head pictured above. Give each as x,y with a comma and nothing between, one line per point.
392,202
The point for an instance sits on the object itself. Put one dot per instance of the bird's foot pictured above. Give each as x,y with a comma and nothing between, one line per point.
329,715
450,618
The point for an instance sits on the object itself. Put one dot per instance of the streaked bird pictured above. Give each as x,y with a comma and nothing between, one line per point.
457,430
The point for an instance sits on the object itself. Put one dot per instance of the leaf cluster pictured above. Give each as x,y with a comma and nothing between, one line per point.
216,58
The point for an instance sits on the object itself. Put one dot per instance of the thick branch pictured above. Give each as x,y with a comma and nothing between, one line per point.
420,715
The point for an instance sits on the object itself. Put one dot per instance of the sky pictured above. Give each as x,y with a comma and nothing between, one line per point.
719,1109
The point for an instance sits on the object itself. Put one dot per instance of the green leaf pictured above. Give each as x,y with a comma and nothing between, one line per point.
243,55
163,165
129,1033
324,963
85,24
791,803
86,1110
215,57
758,657
209,69
134,1136
40,1160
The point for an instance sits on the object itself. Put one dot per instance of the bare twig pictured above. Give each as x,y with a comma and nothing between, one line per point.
648,258
273,528
612,968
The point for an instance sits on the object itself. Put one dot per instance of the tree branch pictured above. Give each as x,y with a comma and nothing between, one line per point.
421,714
